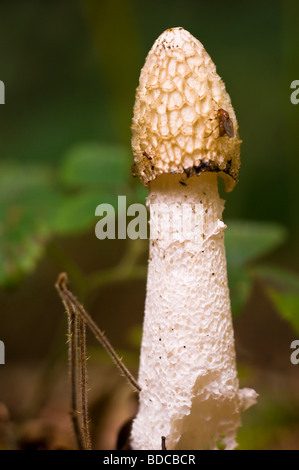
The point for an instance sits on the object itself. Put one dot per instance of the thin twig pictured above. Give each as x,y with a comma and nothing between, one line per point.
126,270
73,364
83,388
100,336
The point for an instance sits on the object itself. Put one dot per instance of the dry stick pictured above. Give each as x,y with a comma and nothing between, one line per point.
83,388
73,361
77,344
66,294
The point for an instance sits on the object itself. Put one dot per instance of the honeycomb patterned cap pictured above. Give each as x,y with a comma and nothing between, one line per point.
183,118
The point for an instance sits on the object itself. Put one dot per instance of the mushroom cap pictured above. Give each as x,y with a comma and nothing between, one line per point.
183,118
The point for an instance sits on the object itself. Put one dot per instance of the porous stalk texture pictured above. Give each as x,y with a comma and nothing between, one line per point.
176,126
190,391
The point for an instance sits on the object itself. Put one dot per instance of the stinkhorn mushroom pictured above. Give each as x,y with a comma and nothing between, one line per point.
185,133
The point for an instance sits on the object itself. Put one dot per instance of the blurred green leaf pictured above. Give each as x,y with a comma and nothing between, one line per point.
246,241
280,278
240,284
32,208
28,203
77,213
95,164
282,288
287,305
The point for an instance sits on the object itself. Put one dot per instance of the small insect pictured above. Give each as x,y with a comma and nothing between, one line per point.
183,183
163,443
147,156
225,124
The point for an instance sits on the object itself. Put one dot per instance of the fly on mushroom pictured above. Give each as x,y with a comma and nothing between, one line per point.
226,126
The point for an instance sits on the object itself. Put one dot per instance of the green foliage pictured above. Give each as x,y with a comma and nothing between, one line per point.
99,172
280,278
245,242
77,213
37,203
282,288
28,201
240,283
287,306
97,165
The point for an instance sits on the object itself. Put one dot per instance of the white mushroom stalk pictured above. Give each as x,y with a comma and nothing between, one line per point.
184,135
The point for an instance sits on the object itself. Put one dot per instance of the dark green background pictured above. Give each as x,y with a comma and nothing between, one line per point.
70,70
